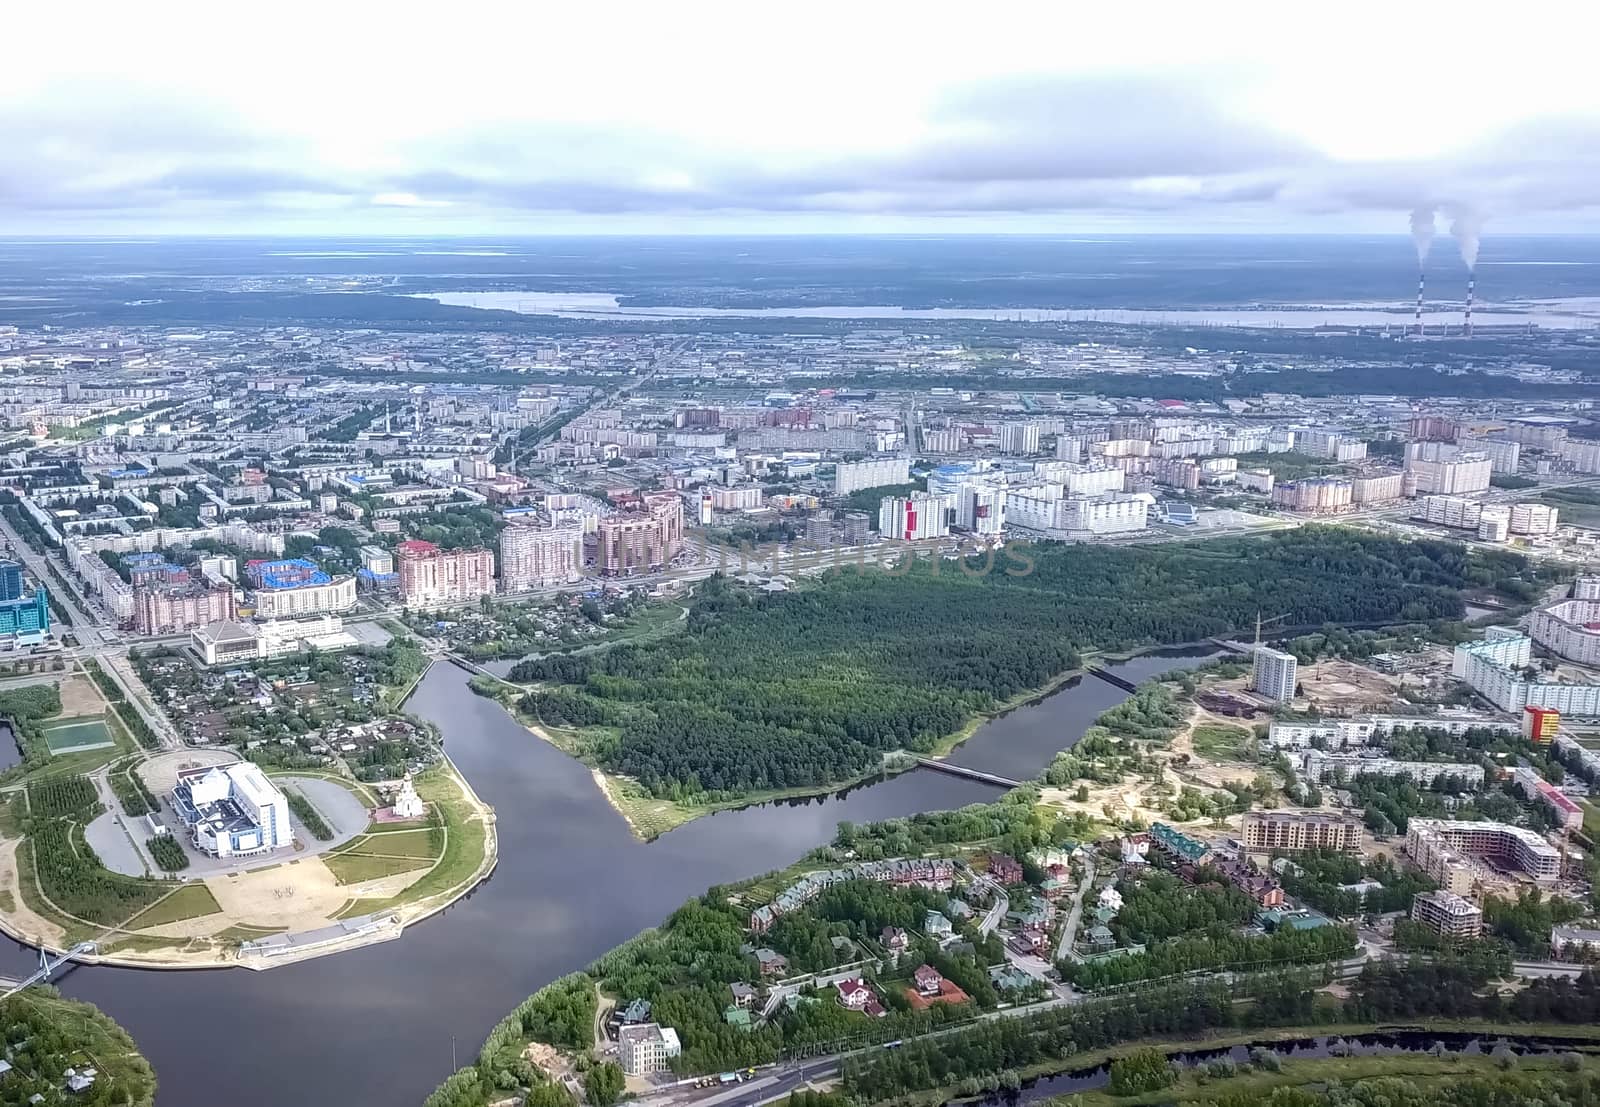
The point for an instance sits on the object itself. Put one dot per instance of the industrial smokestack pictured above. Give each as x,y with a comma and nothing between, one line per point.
1467,227
1422,238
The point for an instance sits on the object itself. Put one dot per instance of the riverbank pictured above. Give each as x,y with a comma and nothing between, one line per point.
288,909
648,816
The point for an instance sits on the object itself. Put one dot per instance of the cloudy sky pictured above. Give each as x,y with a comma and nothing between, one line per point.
477,117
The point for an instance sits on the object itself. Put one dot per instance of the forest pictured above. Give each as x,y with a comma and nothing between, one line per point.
815,685
1451,988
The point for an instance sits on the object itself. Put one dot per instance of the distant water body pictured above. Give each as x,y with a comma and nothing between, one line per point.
1575,314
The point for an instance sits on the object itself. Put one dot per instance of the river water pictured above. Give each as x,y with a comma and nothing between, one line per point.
376,1025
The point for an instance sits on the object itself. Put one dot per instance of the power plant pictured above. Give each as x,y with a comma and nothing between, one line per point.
1466,227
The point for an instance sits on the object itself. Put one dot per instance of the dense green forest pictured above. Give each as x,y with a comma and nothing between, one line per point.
815,685
1501,1089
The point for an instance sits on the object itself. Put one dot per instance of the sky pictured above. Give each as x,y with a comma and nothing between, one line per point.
347,117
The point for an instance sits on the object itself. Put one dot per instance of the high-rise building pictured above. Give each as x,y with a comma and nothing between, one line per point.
540,557
857,528
852,476
1451,851
980,509
914,517
172,610
1447,469
1273,674
10,580
429,575
1019,438
641,540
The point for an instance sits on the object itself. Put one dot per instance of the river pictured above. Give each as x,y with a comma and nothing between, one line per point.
375,1025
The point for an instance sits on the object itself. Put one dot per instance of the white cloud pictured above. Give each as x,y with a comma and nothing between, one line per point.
719,115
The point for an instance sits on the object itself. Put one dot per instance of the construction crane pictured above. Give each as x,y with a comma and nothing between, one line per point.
1267,623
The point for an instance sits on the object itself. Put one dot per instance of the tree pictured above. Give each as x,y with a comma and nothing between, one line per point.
603,1084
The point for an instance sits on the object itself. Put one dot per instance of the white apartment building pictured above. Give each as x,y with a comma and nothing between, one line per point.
910,518
1492,666
1494,524
852,476
1080,480
339,594
1273,674
1330,444
540,557
745,498
947,441
1449,511
1533,519
1019,438
1568,629
1317,766
980,509
1447,469
1362,730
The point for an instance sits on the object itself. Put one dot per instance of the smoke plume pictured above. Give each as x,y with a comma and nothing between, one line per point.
1422,233
1467,227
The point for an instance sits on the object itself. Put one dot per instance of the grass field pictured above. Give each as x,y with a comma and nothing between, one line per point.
353,870
465,842
411,843
1221,743
191,901
77,735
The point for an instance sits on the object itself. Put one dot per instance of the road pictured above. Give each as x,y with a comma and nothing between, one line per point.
83,627
1070,930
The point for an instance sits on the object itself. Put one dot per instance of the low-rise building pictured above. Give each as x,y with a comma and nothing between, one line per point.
1296,832
646,1048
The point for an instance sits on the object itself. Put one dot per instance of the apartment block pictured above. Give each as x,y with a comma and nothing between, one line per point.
1294,832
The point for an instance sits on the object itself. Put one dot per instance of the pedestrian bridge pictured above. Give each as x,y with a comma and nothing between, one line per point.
970,774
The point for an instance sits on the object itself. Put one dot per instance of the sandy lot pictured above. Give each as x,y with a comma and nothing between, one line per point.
160,773
299,895
79,696
23,921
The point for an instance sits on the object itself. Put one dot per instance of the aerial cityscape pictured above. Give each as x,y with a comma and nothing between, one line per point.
1001,579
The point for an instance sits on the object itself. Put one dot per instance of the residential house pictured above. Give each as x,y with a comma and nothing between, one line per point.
743,994
1098,938
928,980
894,940
771,962
854,995
958,908
1009,978
1005,869
636,1011
936,926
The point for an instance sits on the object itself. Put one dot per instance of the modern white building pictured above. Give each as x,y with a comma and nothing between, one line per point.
1019,438
910,518
980,509
1534,519
1570,628
339,594
852,476
1273,674
1493,666
647,1048
229,642
232,810
1447,469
